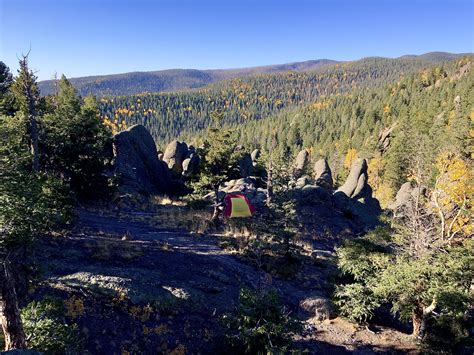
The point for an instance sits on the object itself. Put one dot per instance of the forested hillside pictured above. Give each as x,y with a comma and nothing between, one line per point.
412,118
183,114
171,80
182,79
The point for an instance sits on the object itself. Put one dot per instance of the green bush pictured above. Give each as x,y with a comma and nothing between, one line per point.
46,328
261,325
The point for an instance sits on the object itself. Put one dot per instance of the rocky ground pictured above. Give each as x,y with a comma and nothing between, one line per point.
136,283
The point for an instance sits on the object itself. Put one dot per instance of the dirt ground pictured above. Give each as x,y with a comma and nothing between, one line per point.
136,283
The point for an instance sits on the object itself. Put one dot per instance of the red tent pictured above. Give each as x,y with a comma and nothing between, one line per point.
237,205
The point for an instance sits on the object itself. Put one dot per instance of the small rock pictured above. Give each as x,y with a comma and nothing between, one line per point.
317,307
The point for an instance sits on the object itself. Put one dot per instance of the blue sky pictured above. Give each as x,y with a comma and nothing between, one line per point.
88,37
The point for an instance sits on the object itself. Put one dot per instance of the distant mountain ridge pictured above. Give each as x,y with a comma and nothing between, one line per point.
182,79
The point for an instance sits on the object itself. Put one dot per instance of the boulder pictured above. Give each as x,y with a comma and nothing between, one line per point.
356,185
246,165
317,307
457,103
191,164
403,196
303,181
406,194
246,186
174,155
385,138
301,162
137,164
255,155
323,174
355,199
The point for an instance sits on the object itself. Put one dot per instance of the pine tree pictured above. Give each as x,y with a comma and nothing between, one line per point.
84,150
27,98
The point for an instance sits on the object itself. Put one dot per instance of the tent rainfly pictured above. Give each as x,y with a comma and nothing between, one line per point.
237,205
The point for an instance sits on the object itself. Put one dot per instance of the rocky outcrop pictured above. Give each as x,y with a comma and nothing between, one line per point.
191,164
247,186
301,162
356,185
255,155
174,155
136,163
354,198
303,181
385,138
406,194
246,165
317,307
323,174
457,103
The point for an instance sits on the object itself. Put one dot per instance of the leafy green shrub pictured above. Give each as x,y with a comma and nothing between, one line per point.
356,301
261,324
46,328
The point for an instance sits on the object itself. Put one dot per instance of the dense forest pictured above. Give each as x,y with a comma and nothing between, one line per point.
183,114
421,113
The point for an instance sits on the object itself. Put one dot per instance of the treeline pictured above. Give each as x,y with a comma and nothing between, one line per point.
242,100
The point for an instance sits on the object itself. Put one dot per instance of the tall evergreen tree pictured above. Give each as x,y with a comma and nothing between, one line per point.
27,99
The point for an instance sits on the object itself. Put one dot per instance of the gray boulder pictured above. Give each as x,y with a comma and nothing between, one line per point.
356,185
385,138
301,162
191,164
255,155
137,164
303,181
317,307
403,196
174,155
457,103
323,174
406,194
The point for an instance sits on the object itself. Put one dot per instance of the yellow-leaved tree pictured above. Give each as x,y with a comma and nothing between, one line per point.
351,156
453,195
382,190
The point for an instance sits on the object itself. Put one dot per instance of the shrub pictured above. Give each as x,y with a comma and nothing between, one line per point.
46,328
261,324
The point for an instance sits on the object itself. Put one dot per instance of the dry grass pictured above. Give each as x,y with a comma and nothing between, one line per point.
166,201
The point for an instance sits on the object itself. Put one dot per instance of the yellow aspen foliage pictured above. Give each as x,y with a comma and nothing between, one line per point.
351,156
453,195
382,190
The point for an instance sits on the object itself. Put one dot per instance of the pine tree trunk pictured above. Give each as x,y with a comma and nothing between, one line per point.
34,142
10,318
269,183
418,320
216,213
